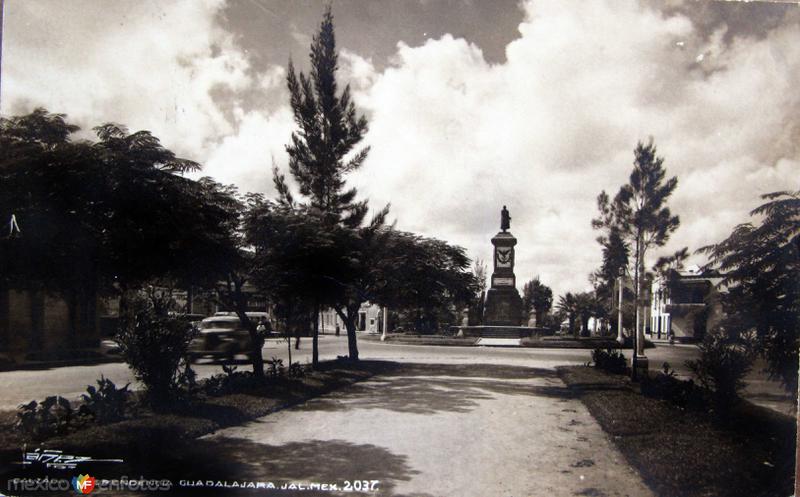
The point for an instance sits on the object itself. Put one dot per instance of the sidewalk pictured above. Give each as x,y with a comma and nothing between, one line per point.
432,430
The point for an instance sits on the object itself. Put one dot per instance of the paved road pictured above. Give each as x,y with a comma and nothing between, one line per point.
431,430
17,387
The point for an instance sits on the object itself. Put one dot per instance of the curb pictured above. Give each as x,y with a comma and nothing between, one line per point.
35,365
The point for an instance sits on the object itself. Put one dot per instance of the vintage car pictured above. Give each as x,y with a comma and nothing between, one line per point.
220,337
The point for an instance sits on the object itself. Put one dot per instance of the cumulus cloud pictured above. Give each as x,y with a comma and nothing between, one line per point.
246,158
151,67
454,138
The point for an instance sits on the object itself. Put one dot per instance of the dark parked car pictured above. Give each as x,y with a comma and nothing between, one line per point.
221,337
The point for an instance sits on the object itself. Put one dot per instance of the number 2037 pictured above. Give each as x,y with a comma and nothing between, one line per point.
361,485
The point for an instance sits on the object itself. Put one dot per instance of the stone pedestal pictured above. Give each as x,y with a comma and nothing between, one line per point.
503,306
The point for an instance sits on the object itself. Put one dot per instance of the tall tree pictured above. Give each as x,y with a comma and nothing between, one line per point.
638,213
760,266
537,297
321,154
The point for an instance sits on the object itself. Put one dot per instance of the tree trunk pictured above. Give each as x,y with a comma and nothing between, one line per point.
349,317
637,338
288,325
641,323
315,338
71,299
256,342
352,344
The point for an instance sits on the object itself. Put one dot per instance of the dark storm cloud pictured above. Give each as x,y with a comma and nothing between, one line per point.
737,18
271,31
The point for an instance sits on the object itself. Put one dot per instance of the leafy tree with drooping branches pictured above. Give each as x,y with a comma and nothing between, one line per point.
760,268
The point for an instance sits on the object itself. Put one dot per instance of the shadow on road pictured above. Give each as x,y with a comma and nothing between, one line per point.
403,388
314,461
400,387
432,388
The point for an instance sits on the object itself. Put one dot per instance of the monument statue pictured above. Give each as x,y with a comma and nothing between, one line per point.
503,305
505,219
499,314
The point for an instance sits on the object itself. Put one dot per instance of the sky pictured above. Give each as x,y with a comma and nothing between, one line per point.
472,105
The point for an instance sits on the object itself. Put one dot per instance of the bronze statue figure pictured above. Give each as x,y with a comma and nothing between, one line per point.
505,219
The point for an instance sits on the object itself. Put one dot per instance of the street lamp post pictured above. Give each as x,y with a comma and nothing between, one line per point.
620,338
639,362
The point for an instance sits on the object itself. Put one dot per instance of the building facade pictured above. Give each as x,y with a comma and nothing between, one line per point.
684,306
370,320
35,324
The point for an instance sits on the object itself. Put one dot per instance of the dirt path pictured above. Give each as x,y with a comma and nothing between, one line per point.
432,431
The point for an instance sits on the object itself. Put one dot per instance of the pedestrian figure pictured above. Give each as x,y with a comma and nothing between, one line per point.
337,329
297,342
261,328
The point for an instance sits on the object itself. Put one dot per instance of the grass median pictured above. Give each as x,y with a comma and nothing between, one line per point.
688,453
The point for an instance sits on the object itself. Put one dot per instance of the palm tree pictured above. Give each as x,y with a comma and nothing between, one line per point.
588,305
568,304
538,297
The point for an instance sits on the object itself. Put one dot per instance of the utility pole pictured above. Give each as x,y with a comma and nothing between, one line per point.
620,338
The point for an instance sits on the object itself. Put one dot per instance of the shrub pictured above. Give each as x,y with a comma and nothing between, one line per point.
276,368
724,361
155,346
296,370
230,381
106,403
610,360
664,385
187,379
50,417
